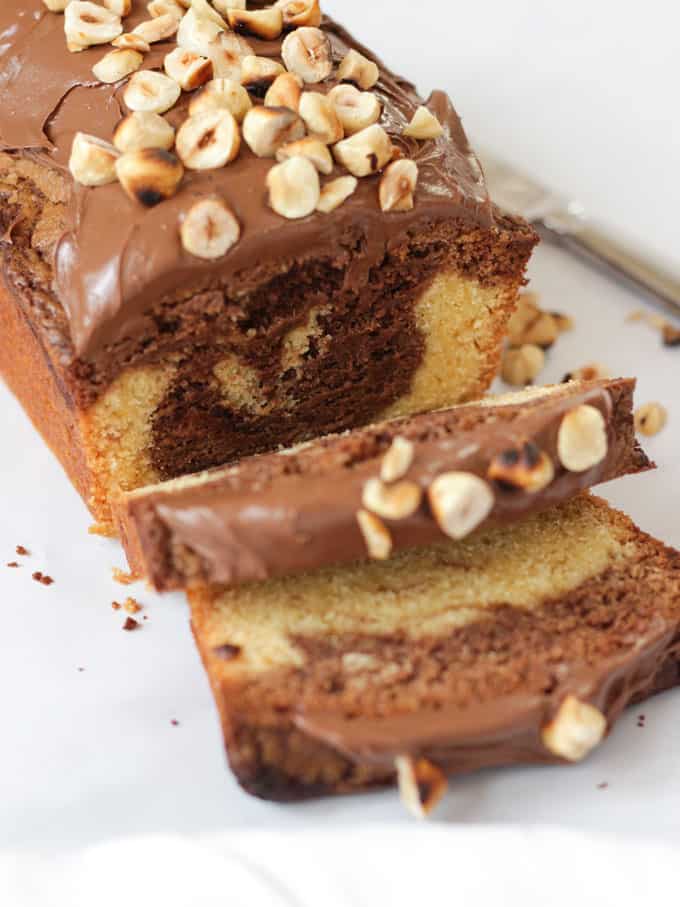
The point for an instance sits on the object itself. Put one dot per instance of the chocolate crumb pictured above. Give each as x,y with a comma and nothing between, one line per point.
24,552
42,578
603,785
670,335
174,722
13,564
131,624
125,579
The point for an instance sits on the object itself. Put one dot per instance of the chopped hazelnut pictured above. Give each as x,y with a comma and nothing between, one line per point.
266,129
524,467
190,70
117,64
421,784
320,117
149,175
285,91
359,70
311,148
143,130
397,460
227,53
128,41
151,91
582,438
208,140
209,229
589,372
222,94
391,502
293,188
398,184
576,729
335,192
424,125
650,418
355,109
460,501
522,366
261,23
376,535
198,33
307,52
258,74
366,152
158,8
299,12
159,29
92,161
87,24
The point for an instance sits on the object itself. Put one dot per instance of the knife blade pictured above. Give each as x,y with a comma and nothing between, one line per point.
566,222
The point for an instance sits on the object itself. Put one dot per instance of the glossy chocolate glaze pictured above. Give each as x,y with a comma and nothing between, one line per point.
244,527
116,259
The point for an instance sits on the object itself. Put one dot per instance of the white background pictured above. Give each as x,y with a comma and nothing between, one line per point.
584,95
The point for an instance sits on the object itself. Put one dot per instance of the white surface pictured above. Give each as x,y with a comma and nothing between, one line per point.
91,755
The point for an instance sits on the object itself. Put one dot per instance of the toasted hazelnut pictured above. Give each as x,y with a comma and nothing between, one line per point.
128,41
293,188
397,460
397,185
563,322
355,109
159,29
576,729
582,439
311,148
117,64
335,192
198,33
285,91
208,140
266,129
87,24
524,467
206,10
542,331
158,8
227,52
421,784
365,152
650,418
142,129
300,12
209,229
424,125
307,52
56,6
150,175
258,74
223,6
376,535
222,94
520,367
460,501
391,502
261,23
359,70
670,335
526,312
320,117
588,372
151,91
190,70
119,7
92,161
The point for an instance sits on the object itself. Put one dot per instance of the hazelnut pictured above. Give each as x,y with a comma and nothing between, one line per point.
128,41
209,229
397,460
258,74
391,502
143,130
590,372
582,439
261,23
205,10
355,109
222,94
311,148
266,129
335,192
576,729
119,7
293,188
56,6
299,12
650,418
376,535
320,117
366,152
285,91
460,501
524,467
525,313
307,52
424,125
421,784
158,8
117,64
151,91
92,161
520,367
563,322
87,24
670,335
198,33
159,29
542,331
227,53
397,185
208,140
189,69
150,175
223,6
359,70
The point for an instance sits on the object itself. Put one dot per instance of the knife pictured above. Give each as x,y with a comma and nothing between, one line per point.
566,222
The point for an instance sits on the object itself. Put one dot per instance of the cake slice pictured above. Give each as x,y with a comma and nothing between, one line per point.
199,292
516,645
378,490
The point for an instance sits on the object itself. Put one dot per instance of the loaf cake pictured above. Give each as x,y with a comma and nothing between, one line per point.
376,490
180,287
516,645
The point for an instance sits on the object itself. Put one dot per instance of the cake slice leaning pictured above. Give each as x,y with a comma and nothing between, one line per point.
516,645
377,490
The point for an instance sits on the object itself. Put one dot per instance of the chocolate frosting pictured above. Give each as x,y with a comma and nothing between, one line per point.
117,259
251,528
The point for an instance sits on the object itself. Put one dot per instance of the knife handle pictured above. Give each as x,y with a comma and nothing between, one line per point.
598,247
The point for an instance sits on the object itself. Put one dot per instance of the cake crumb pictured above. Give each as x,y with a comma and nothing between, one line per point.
125,579
42,578
174,722
13,564
80,670
21,551
131,624
116,606
670,335
131,606
603,785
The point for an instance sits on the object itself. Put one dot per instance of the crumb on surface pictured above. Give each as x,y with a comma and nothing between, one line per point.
131,605
125,579
42,578
13,564
174,722
131,624
116,606
603,785
23,552
80,670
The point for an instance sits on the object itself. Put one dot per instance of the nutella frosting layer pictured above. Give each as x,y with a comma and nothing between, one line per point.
297,510
117,259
